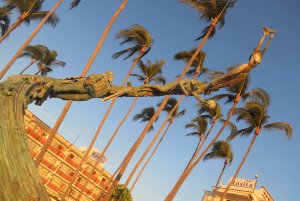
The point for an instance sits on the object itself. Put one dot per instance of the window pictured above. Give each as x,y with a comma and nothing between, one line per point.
71,156
71,174
103,180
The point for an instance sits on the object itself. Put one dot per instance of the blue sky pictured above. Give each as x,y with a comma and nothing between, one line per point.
174,27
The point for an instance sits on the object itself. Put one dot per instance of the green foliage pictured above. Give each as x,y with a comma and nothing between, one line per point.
197,62
4,19
255,115
151,72
49,60
136,35
211,9
121,193
199,125
171,103
35,52
33,10
145,115
74,3
220,149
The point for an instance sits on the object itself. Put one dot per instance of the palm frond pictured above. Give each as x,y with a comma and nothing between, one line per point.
220,149
231,125
74,3
205,31
242,132
282,126
197,134
136,35
4,19
145,115
258,95
39,15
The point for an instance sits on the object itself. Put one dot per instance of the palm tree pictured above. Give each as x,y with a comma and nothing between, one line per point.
139,37
30,10
145,115
211,9
121,194
173,110
35,53
149,73
48,16
220,149
240,88
255,115
142,41
199,126
164,102
214,114
4,19
47,61
197,65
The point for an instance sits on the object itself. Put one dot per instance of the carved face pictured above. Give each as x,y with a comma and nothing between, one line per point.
255,58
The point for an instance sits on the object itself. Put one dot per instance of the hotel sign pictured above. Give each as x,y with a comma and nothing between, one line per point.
243,184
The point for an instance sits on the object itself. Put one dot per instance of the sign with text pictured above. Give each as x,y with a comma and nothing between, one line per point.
244,184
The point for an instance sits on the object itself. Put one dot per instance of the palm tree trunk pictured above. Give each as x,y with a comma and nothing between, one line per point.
221,174
11,28
29,39
150,157
17,168
135,146
200,145
52,133
76,172
137,165
30,64
160,108
37,72
240,166
104,35
199,48
106,147
188,170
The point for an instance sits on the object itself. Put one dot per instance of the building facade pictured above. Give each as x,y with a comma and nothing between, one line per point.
241,190
60,161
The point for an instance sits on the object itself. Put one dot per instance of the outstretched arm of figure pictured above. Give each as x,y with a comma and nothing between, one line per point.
267,45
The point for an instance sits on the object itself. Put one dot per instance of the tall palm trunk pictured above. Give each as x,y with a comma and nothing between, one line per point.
152,143
52,133
83,74
221,174
30,64
106,147
188,170
152,154
160,108
134,147
241,165
104,35
200,145
29,39
84,158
